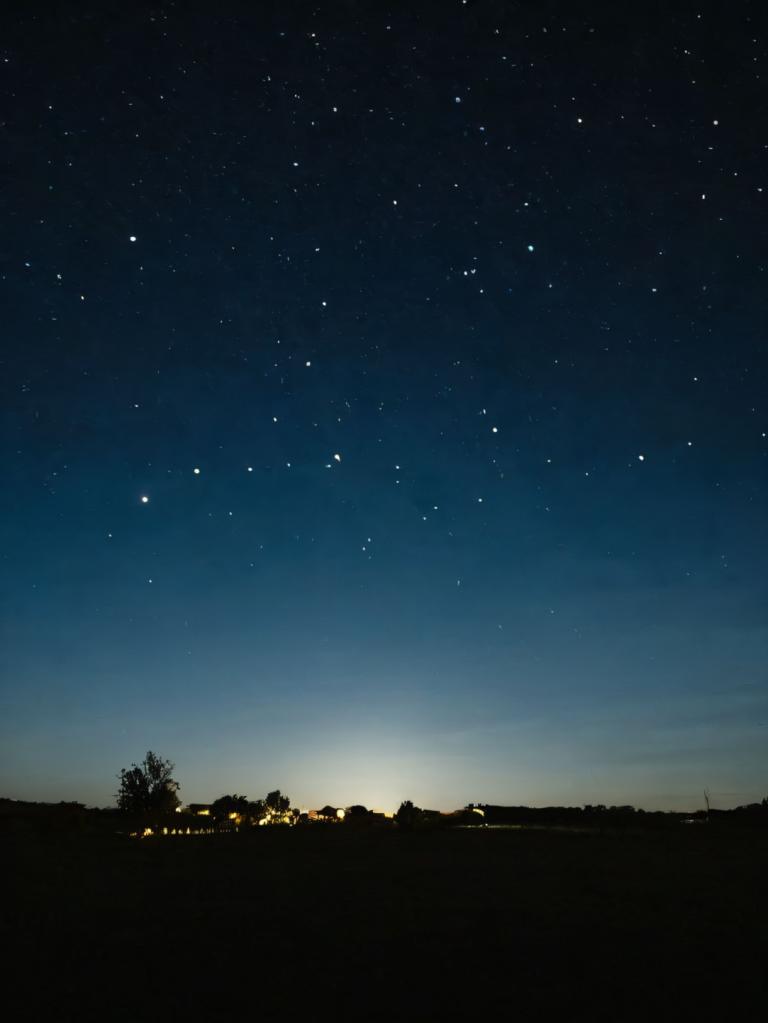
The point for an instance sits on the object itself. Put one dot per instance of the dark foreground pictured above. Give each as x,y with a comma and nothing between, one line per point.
300,923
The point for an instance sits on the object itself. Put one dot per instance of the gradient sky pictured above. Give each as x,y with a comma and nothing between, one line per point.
508,263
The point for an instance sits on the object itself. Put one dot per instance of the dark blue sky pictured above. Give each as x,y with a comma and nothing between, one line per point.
460,314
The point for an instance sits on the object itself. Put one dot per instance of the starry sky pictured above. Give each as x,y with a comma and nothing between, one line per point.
384,401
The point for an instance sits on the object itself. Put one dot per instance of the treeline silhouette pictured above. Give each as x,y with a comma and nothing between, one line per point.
24,816
148,804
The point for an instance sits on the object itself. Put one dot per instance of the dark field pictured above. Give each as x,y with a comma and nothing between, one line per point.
303,922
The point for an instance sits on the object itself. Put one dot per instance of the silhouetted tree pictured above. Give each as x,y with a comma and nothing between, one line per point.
222,807
148,786
407,815
357,811
256,809
276,802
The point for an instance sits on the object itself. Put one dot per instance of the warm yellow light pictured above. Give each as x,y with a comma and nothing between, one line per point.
203,813
340,814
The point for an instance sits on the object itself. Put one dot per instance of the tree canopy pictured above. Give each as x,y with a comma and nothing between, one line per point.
225,805
276,802
148,786
408,815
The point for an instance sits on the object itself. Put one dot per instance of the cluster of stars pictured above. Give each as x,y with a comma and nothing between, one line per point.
337,458
410,207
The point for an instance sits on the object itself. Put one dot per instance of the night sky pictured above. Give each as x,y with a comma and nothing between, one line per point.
384,401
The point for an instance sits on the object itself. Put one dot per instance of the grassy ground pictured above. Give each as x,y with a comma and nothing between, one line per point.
299,922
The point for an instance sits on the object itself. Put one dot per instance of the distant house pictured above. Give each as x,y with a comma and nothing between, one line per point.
327,815
379,817
199,809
